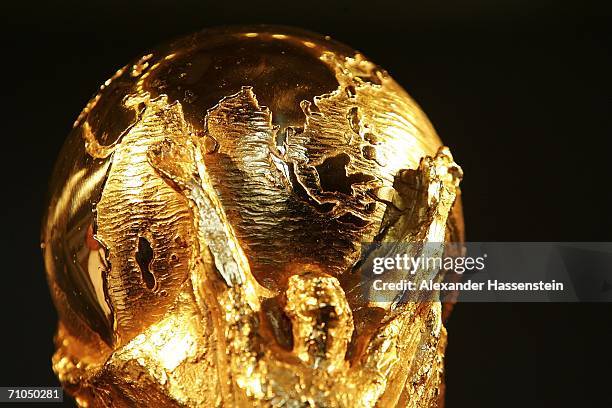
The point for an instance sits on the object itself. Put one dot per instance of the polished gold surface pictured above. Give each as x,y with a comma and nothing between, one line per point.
205,226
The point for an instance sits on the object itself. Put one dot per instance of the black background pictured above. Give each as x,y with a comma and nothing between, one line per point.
520,91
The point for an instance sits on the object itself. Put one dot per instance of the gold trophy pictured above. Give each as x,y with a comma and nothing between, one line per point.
203,237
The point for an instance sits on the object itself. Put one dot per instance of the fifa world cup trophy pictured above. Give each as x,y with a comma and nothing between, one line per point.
203,240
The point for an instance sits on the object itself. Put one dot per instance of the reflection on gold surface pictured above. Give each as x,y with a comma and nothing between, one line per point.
204,229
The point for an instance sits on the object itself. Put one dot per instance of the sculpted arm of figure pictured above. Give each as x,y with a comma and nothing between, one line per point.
230,289
425,197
